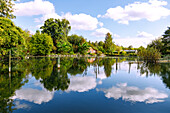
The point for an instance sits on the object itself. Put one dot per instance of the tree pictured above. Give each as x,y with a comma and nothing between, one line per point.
130,47
109,46
150,54
58,30
141,48
41,44
157,44
118,48
11,38
76,40
6,8
166,42
82,48
64,47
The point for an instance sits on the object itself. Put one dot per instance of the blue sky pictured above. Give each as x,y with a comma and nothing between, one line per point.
131,22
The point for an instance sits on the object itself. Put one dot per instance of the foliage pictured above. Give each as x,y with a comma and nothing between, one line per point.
77,42
9,83
11,38
141,48
40,44
100,48
132,54
6,8
157,44
58,30
123,53
130,47
150,54
166,42
64,47
118,48
109,46
83,48
99,53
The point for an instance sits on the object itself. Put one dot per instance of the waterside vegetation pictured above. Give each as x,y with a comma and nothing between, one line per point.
54,39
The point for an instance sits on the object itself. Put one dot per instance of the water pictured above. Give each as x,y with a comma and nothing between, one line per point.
84,85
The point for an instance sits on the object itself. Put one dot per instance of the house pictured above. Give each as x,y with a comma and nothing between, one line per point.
91,50
131,51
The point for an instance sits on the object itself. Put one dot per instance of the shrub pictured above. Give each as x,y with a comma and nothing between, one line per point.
132,54
123,53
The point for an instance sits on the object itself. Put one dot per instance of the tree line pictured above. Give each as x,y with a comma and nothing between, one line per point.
54,39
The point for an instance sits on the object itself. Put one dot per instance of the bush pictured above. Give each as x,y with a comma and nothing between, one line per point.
132,54
123,53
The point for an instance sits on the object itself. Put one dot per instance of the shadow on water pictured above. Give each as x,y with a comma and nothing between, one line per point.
52,78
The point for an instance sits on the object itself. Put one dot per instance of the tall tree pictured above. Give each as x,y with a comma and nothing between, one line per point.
58,30
166,41
6,8
109,46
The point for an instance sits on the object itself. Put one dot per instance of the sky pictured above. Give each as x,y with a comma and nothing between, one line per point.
131,22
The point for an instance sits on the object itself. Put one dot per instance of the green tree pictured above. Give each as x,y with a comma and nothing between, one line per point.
76,40
166,42
64,47
6,8
150,54
141,48
130,47
82,48
11,38
157,44
58,30
109,46
40,44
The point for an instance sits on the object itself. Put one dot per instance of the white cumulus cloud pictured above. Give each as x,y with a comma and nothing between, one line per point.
142,39
36,7
152,10
101,32
144,34
135,42
134,94
47,10
82,21
82,84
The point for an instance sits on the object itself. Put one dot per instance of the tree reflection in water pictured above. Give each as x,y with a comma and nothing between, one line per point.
52,78
9,83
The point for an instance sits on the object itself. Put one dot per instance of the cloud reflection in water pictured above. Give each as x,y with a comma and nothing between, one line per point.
82,84
134,94
33,95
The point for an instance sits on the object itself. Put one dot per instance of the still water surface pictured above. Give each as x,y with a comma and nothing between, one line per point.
84,85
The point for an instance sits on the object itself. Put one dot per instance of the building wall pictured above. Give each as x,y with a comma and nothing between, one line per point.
91,50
